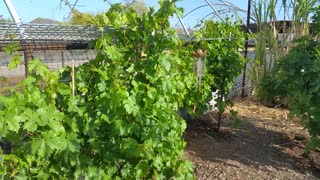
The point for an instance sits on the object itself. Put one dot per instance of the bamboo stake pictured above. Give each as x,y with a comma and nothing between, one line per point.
72,75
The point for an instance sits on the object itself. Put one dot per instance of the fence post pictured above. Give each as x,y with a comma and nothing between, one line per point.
62,57
246,52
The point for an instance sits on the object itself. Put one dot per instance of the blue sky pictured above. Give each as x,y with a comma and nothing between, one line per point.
31,9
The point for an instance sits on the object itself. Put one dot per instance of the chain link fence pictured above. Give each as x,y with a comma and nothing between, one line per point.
236,90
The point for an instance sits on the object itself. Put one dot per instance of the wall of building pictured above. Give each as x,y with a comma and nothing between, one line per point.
54,59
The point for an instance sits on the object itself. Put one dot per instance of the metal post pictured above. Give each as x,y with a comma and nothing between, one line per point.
12,11
183,26
246,51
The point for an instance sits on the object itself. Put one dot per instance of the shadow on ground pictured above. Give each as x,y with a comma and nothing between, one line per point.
257,149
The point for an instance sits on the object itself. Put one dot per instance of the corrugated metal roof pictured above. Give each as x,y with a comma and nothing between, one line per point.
47,32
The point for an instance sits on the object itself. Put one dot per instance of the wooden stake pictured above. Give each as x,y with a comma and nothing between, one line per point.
72,75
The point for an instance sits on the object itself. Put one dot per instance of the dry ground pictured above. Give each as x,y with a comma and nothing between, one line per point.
267,144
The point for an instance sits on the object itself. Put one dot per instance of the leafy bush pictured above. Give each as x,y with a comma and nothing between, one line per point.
272,90
221,43
122,121
300,72
296,79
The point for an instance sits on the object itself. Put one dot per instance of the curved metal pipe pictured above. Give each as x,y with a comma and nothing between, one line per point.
235,9
12,11
214,10
15,17
230,8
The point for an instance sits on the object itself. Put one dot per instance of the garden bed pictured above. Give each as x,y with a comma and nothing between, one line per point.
267,144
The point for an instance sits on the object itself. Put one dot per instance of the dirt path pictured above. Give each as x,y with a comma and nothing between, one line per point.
266,145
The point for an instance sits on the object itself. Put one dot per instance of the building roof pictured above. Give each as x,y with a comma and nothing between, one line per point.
40,20
280,26
47,32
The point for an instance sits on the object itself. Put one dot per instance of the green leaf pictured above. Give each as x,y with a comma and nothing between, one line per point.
56,126
30,126
120,128
54,118
131,106
131,147
55,142
157,163
14,123
71,143
113,52
179,12
165,63
29,80
142,169
14,62
73,105
38,147
39,66
313,144
11,48
3,126
63,89
30,120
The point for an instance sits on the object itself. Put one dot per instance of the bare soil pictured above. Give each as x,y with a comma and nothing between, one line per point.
267,144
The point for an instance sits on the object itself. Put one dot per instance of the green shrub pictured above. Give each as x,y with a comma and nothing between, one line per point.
220,43
120,123
296,79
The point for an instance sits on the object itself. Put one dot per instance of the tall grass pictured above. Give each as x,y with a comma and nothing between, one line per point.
270,43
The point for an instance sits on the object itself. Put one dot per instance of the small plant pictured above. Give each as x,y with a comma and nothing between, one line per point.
235,118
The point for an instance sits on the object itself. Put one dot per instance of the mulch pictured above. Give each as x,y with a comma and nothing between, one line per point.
266,144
